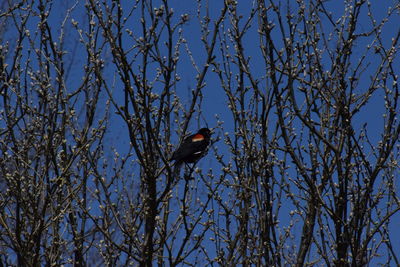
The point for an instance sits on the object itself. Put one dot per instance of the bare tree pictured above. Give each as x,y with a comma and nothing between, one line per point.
50,132
297,135
93,101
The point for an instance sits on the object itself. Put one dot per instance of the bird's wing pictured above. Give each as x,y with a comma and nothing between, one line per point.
189,146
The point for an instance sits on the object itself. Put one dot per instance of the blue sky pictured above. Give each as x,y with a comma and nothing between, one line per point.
215,103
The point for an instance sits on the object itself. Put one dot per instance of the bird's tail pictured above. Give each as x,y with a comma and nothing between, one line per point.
176,170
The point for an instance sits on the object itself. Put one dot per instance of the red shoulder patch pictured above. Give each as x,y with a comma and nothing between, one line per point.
197,138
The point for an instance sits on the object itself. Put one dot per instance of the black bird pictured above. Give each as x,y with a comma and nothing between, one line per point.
193,147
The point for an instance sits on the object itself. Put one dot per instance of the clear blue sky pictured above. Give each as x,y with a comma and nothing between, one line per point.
215,101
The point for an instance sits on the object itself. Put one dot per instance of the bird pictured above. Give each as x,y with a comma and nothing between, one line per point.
193,147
